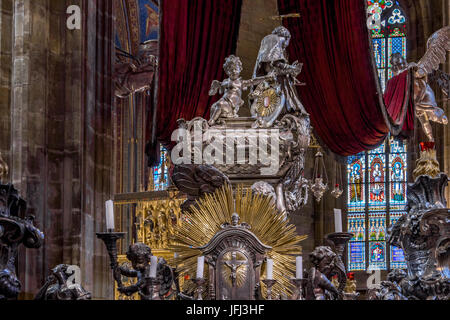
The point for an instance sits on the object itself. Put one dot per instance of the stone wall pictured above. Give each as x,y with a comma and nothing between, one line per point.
55,115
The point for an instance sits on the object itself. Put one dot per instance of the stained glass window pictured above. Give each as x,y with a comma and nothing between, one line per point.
387,23
159,177
380,176
377,179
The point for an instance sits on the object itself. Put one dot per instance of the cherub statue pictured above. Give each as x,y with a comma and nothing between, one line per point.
139,255
326,264
228,106
59,287
424,98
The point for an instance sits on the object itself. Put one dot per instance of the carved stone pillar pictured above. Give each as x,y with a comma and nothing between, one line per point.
61,101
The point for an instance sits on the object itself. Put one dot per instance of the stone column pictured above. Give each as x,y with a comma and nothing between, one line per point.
61,135
5,77
97,142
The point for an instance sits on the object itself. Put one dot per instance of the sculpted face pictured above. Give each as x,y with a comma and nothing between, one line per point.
286,42
233,67
140,262
398,62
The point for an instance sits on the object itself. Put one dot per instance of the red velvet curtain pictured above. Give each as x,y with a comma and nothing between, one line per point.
342,92
399,101
195,38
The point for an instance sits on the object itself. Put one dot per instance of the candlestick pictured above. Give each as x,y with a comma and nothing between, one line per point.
109,215
200,267
299,267
269,284
269,275
298,292
153,266
110,239
338,242
337,220
199,290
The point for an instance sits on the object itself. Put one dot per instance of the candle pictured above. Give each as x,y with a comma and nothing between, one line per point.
109,215
299,267
269,275
200,267
153,266
337,220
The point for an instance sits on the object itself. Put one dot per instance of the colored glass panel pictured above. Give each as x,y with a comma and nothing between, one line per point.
161,172
377,226
398,174
379,47
377,185
357,226
397,257
377,256
356,178
357,256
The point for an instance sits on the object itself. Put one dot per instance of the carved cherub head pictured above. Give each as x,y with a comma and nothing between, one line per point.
399,63
235,219
233,67
139,254
282,32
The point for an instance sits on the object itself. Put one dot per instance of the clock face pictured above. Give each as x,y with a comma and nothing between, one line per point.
267,101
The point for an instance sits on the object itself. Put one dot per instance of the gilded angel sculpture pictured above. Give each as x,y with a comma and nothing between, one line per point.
424,98
228,106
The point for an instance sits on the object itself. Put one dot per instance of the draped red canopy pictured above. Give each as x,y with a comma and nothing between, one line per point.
342,92
195,38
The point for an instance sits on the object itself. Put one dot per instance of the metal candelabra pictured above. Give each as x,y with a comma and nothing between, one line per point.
269,284
339,241
299,285
200,288
110,239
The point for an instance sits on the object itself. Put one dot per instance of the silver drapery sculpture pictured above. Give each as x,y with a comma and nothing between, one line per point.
274,105
426,107
271,98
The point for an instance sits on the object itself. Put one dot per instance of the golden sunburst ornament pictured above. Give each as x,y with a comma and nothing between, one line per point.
267,102
256,210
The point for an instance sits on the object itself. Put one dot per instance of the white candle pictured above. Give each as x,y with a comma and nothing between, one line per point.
200,267
299,267
269,275
109,215
337,220
153,266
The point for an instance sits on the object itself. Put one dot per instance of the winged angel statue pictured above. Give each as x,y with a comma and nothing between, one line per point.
425,70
